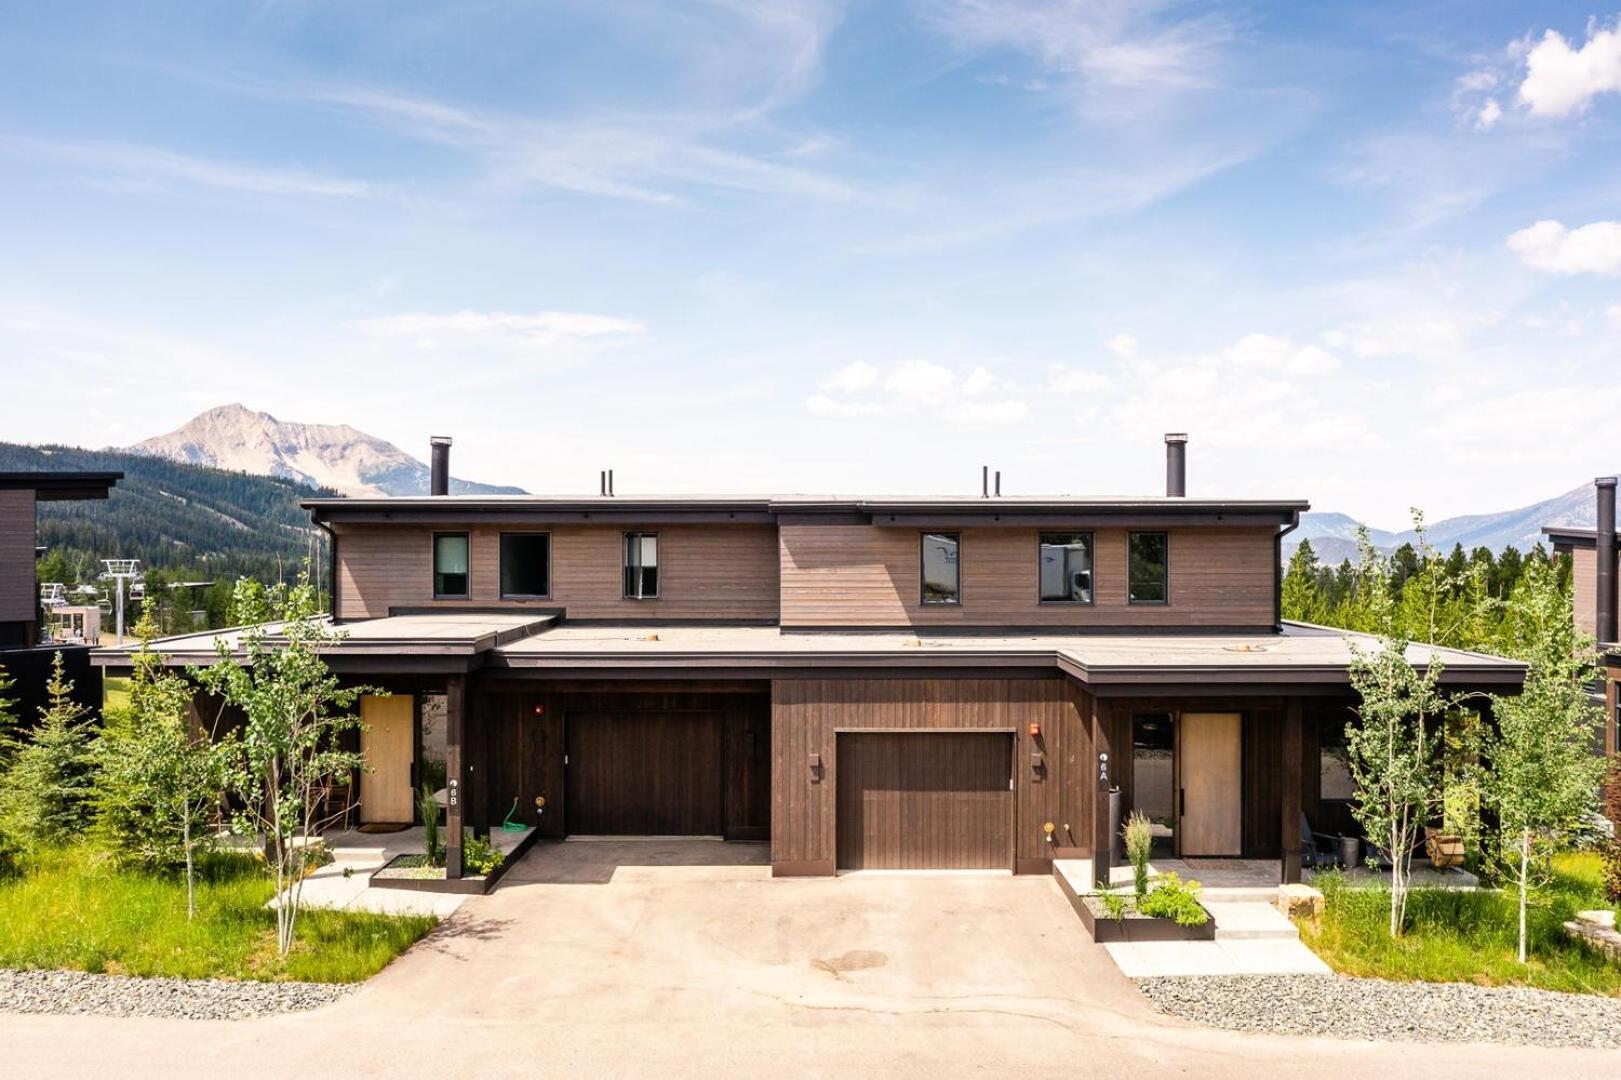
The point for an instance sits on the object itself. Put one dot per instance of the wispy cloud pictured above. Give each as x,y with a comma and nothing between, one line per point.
535,330
975,396
145,164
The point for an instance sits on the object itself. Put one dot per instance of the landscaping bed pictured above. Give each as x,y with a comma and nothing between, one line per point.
1133,925
421,872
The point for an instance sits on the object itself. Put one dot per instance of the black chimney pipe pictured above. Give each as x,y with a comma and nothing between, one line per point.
1176,464
439,472
1604,579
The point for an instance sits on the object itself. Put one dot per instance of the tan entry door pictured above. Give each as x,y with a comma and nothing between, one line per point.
387,744
1210,765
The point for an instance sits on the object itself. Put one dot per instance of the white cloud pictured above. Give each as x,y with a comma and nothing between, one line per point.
852,378
1560,80
148,164
1077,381
1267,353
1489,114
975,396
499,327
1122,344
1613,313
1591,249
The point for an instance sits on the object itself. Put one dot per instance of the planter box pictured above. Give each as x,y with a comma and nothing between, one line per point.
1139,927
464,885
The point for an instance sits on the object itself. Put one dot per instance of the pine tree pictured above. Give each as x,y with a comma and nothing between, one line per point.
1301,599
45,798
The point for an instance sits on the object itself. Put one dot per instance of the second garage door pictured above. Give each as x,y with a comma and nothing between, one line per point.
644,774
925,800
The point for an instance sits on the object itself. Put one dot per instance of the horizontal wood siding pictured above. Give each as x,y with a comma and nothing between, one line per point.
705,572
1584,589
18,594
867,576
806,713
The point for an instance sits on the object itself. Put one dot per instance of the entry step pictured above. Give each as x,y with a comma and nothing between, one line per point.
1250,921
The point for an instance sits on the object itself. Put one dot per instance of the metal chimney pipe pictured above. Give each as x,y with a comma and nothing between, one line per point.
610,483
984,481
1604,579
439,471
998,483
1176,464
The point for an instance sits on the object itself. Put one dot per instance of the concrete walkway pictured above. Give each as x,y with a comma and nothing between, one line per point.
343,883
686,959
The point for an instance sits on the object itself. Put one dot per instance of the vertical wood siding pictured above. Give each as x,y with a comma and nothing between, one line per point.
705,571
806,713
1584,589
861,575
17,538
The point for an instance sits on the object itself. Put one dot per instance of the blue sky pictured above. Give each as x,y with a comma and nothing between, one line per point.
1367,254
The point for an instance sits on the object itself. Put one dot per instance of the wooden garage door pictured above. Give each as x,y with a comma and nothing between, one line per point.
925,800
644,773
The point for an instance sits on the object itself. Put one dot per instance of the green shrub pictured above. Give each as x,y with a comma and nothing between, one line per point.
428,811
1114,905
1173,899
1139,834
46,792
479,857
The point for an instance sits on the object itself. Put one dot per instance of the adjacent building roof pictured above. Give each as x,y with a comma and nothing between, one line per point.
1569,536
50,485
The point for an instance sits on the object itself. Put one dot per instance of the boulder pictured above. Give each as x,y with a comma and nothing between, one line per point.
1300,901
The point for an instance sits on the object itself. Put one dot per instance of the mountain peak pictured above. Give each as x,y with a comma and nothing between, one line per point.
336,456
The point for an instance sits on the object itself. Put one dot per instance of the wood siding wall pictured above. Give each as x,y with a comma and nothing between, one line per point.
1584,589
705,572
806,713
867,576
18,592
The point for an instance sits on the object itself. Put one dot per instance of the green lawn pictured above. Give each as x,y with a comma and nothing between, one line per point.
1468,937
73,910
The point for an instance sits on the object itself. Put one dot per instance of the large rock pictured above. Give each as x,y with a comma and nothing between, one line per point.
1300,901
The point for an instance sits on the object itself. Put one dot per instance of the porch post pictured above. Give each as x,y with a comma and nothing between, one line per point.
455,774
1103,768
1293,749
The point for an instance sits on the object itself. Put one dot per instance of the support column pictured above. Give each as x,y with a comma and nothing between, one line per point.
475,727
1103,768
455,773
1290,780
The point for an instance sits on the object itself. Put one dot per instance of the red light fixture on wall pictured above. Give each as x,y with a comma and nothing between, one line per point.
1035,731
540,710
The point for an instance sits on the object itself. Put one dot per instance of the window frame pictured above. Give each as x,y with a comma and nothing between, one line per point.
433,564
1132,600
1092,554
624,564
501,564
922,593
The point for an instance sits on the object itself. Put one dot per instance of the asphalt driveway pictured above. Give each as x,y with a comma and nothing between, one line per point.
686,958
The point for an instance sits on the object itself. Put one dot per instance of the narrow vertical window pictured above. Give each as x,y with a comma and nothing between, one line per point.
641,566
942,576
450,561
526,565
1150,568
1066,568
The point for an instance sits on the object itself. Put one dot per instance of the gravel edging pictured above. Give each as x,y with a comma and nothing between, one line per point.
80,993
1345,1007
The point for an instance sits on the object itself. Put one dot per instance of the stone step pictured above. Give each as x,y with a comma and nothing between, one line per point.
1250,921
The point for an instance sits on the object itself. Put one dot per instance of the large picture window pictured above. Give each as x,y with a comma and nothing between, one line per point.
942,575
450,561
641,566
526,565
1150,568
1066,568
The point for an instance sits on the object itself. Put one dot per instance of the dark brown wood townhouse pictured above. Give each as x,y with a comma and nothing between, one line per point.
979,682
1594,580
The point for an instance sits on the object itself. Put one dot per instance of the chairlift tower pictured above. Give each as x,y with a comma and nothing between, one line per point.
120,571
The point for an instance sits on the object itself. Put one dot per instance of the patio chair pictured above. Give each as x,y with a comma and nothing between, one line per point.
1317,849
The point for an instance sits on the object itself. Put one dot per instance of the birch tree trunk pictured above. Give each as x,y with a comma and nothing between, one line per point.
1525,871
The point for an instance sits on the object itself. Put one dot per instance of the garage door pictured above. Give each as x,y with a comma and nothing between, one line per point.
644,774
925,800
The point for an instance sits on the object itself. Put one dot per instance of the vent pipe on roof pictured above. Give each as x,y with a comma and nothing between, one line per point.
998,487
610,483
1604,579
1176,464
439,470
984,481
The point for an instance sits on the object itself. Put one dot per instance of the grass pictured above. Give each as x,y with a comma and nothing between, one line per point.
114,692
1468,936
75,910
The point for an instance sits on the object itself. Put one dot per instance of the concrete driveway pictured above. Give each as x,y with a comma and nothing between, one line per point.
685,958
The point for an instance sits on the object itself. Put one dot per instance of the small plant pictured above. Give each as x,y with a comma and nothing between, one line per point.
479,857
1175,900
1114,905
1139,834
428,811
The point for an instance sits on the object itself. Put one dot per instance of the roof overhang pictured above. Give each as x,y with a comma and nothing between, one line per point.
1567,538
51,486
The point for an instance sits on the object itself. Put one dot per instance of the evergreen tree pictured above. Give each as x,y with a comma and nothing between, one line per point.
1301,598
45,797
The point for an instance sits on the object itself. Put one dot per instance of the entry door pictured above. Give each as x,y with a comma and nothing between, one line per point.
387,744
1210,766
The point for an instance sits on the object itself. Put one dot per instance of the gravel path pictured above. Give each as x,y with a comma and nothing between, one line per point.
79,992
1342,1007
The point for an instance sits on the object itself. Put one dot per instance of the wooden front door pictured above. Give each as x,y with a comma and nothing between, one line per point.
924,800
644,773
1210,768
388,745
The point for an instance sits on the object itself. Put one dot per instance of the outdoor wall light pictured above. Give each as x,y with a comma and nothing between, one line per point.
1048,829
1035,731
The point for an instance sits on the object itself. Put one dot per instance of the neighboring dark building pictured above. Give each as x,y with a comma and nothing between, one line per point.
906,683
1596,600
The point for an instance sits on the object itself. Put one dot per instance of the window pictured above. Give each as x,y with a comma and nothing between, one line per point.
942,577
450,565
1333,760
1150,568
526,564
1066,568
641,566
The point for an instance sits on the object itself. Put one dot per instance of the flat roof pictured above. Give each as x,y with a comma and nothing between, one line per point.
50,485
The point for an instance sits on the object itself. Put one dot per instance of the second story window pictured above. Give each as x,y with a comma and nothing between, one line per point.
1150,568
1066,568
450,562
526,565
641,566
942,576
